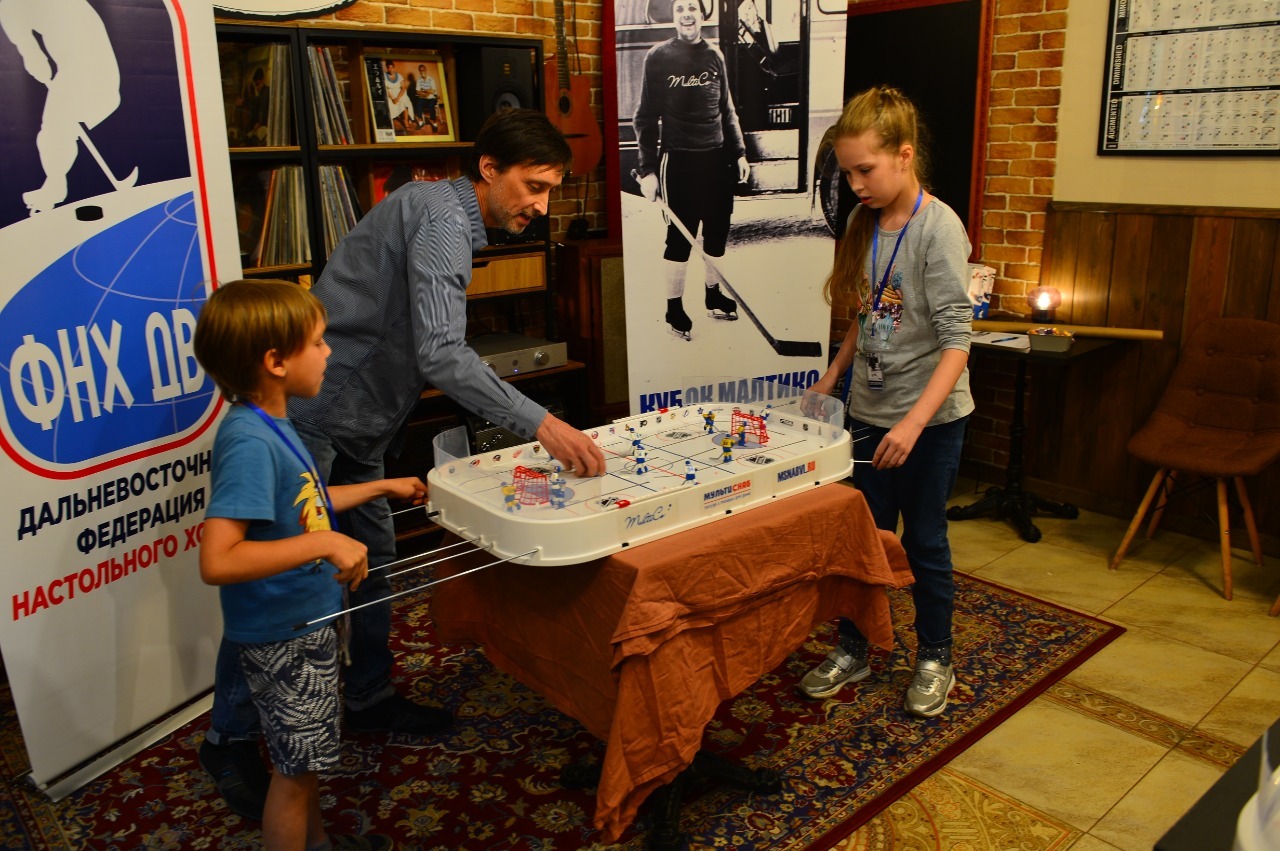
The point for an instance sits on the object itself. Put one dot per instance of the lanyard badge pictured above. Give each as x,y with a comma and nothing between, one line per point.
875,372
875,366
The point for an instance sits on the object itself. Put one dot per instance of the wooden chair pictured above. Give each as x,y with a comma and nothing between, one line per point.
1219,418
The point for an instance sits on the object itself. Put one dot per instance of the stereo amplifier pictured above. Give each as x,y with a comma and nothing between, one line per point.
515,354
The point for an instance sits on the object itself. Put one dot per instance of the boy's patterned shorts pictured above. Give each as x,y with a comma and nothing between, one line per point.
294,684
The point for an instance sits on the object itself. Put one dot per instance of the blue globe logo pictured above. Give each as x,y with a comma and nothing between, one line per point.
109,370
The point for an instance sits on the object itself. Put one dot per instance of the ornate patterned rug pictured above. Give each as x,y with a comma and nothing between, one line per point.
494,781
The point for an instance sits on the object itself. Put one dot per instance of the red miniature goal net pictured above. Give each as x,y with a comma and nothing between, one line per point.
755,427
531,486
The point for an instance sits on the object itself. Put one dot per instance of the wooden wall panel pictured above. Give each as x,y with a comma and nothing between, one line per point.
1253,251
1273,299
1142,266
1090,295
1207,270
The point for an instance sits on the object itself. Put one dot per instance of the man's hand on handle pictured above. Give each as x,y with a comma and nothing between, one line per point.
577,453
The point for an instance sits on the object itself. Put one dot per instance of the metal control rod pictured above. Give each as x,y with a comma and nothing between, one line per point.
413,590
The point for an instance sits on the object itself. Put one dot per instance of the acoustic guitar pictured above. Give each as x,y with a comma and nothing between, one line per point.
569,104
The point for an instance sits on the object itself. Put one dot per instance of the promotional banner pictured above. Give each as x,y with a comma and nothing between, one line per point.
108,205
721,109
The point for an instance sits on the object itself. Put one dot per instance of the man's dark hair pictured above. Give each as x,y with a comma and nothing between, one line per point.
519,137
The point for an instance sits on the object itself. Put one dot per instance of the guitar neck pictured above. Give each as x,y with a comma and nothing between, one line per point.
562,52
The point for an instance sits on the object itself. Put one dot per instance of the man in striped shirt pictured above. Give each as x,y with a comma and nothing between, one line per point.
395,292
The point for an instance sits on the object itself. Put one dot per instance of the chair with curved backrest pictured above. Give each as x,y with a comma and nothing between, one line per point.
1219,418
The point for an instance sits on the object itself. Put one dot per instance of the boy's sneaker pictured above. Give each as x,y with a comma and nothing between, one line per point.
927,695
368,842
240,774
838,668
719,305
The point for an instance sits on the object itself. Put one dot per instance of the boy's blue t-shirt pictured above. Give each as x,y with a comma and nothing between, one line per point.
257,478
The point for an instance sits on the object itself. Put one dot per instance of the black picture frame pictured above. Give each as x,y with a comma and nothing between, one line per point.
1190,80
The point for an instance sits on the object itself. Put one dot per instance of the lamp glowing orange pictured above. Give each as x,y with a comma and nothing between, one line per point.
1043,301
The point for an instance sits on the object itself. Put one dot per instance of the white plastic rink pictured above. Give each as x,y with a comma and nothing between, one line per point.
624,508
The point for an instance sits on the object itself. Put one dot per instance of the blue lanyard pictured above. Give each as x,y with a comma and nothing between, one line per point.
307,461
875,246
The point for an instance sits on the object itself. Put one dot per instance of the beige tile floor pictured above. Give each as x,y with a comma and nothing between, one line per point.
1114,754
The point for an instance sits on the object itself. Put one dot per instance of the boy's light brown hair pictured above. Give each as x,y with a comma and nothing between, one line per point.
242,321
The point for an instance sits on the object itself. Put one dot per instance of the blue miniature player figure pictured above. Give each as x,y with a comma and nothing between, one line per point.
726,447
509,497
557,490
642,461
708,420
742,434
635,439
764,415
690,477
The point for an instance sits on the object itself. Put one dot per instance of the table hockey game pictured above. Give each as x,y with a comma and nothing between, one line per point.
666,471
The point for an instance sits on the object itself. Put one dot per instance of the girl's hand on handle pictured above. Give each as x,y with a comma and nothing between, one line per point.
896,446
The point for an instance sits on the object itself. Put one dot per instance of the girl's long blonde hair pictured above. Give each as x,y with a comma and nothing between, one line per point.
886,111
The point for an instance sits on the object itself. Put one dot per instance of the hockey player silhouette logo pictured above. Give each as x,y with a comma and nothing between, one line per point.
65,47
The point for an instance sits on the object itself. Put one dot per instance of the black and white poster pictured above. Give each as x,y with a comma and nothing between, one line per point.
721,107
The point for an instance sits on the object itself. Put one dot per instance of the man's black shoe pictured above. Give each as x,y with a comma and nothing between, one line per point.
398,714
240,774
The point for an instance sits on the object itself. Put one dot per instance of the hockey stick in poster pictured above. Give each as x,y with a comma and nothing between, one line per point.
786,348
122,183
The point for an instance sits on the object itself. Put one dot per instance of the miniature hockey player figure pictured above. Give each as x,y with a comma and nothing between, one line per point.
509,497
690,477
557,490
726,447
642,461
636,445
764,415
708,420
742,434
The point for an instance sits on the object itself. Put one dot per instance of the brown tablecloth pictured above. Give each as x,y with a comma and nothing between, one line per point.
642,646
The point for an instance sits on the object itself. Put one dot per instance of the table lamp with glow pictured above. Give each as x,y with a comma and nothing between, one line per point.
1043,302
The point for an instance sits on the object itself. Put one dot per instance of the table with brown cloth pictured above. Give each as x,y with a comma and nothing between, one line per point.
642,646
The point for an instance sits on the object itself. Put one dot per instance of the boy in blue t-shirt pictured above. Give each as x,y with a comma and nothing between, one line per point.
269,544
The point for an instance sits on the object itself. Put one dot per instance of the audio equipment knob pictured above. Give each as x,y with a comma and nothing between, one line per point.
541,358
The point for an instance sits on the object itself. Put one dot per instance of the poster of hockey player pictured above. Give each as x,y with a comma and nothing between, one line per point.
721,105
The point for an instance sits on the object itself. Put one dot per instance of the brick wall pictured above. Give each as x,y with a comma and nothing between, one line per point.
1022,142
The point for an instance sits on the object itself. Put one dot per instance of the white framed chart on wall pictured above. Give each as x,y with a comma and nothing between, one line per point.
1191,78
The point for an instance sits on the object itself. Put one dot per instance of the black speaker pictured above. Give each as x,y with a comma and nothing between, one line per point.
493,78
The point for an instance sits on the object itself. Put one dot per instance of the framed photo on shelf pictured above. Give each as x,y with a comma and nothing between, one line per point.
408,98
